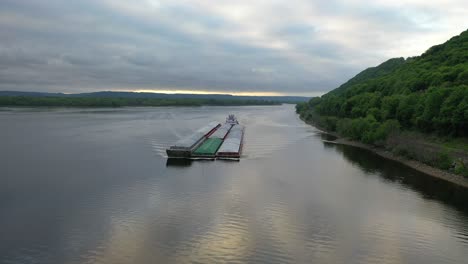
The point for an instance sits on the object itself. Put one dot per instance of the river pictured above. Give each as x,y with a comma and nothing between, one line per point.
95,186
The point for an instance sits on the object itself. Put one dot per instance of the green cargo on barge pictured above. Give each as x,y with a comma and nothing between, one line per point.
208,148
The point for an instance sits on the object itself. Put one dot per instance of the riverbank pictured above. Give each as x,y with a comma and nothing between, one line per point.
414,164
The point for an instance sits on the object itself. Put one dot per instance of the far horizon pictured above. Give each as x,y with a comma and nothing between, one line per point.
311,94
181,92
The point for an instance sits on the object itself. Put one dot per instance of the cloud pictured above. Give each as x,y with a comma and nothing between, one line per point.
290,47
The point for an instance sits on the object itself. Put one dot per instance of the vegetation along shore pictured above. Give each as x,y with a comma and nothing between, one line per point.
413,110
118,99
30,101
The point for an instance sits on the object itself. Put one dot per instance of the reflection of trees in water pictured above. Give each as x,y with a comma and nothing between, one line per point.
429,187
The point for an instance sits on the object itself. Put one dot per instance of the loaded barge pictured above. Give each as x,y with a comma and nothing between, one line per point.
211,141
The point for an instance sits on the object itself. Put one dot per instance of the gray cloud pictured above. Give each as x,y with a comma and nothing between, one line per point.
294,47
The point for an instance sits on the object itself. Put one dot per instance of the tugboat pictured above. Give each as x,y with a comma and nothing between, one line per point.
232,120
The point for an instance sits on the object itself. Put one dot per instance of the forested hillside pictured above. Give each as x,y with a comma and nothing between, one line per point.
428,93
415,107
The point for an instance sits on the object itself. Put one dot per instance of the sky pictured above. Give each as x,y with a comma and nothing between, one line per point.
258,47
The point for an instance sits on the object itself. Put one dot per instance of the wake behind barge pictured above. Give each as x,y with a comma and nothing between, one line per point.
211,141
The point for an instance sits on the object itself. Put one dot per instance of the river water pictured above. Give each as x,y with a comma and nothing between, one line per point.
95,186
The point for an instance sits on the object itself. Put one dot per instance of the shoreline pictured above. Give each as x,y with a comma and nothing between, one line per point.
6,107
414,164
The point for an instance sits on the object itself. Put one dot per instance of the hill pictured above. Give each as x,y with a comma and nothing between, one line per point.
427,94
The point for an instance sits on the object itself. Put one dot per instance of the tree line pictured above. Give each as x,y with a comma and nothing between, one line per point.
31,101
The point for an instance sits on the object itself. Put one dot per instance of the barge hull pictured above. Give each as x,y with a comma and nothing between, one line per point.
171,153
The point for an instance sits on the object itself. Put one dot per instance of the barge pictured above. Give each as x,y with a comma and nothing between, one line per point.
232,144
211,141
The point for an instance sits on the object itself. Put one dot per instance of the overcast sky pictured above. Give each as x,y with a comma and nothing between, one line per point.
287,47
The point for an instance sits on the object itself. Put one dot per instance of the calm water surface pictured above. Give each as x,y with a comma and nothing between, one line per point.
95,186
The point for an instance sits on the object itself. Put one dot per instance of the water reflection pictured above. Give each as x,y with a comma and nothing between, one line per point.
392,171
105,192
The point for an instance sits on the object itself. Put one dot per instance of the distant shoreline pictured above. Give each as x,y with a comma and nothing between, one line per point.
116,102
414,164
2,107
